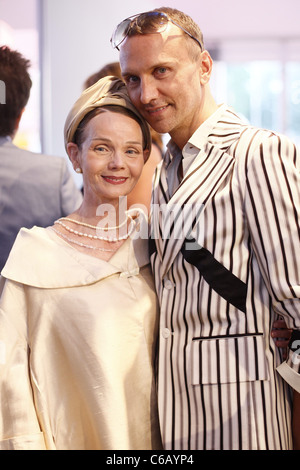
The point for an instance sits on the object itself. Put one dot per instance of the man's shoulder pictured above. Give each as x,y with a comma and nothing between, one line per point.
11,152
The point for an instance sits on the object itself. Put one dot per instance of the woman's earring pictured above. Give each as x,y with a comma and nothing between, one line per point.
78,170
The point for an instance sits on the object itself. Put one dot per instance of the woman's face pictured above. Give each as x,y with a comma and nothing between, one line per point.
111,157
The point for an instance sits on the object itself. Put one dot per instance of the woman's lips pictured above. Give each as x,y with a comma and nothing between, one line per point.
115,179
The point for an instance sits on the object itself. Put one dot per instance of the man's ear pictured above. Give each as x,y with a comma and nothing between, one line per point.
205,67
73,152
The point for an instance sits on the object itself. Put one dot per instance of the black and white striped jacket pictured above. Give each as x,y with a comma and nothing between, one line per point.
225,256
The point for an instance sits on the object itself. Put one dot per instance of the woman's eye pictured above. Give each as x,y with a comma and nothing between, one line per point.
101,149
132,152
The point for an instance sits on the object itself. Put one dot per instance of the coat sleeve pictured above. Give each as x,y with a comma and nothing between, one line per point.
19,426
273,214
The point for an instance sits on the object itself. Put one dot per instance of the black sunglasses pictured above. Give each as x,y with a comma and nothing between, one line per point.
146,23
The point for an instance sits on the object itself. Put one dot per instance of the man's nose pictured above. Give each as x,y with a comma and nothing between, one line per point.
148,91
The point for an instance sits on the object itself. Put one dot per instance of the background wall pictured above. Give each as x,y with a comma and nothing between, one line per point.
74,39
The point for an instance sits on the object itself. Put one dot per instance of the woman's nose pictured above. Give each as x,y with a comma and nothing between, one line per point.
116,160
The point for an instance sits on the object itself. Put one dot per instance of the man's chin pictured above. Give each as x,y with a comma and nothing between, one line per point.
160,127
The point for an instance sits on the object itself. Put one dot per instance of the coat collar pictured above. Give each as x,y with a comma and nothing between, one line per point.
41,259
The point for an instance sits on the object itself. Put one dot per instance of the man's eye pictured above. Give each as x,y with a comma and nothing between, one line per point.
132,79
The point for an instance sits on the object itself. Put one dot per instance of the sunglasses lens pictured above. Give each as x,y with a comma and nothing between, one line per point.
146,23
120,32
153,22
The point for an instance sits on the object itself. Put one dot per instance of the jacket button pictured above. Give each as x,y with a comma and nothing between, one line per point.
165,333
168,284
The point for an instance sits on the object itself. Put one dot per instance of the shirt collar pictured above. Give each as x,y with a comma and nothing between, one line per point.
200,136
197,140
173,151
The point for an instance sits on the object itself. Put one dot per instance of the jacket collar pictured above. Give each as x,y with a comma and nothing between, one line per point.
174,218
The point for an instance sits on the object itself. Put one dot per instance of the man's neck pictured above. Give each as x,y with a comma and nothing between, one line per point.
182,135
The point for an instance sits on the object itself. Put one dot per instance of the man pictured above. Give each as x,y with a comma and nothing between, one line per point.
34,189
225,227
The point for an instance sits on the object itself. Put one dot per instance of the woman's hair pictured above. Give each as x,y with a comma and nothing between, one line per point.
109,91
79,134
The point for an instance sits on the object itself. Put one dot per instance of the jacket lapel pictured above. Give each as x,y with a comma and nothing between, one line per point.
174,219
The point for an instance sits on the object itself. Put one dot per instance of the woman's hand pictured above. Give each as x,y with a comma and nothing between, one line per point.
281,335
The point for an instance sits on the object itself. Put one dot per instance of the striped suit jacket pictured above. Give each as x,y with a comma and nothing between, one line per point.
225,257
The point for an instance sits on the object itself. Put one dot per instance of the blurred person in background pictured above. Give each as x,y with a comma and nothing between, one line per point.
35,189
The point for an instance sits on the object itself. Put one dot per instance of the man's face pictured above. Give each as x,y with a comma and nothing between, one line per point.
164,81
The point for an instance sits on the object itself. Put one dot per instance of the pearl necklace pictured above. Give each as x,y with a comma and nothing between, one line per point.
95,227
95,237
81,244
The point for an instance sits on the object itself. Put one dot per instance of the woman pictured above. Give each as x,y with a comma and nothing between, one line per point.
140,196
78,313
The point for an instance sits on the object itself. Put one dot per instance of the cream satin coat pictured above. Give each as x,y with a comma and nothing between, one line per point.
76,347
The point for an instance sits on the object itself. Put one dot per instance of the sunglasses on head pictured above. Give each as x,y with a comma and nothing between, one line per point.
145,23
